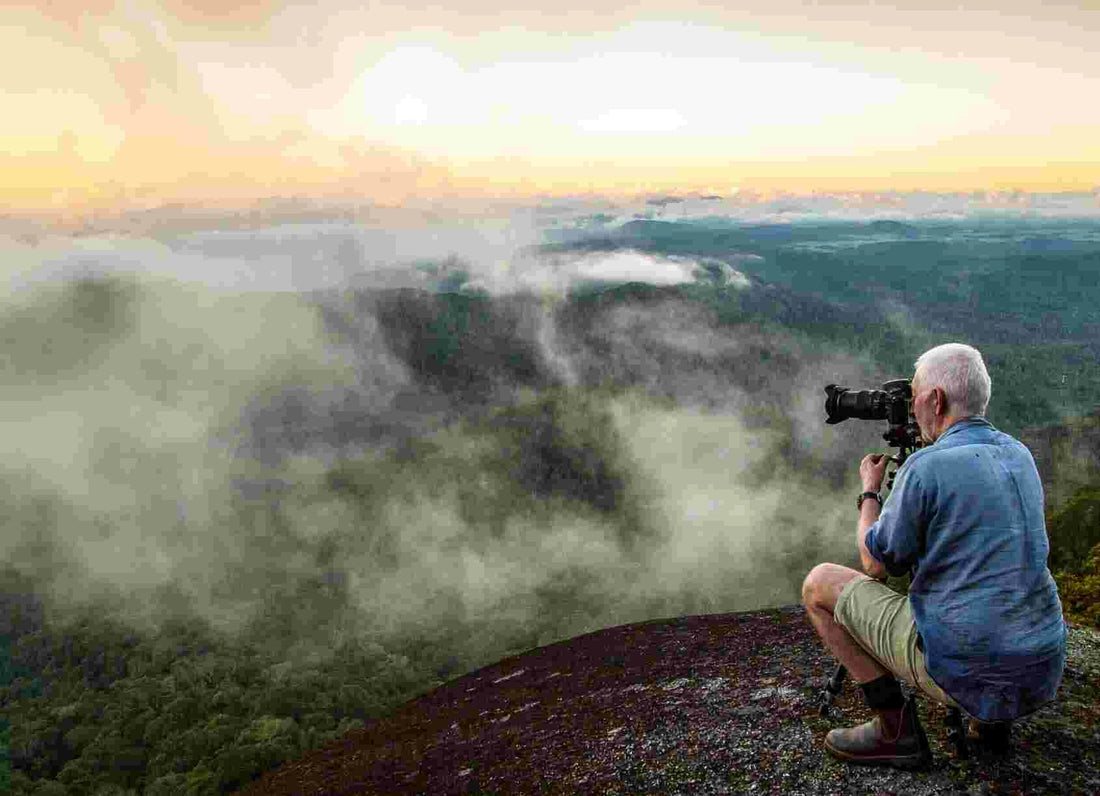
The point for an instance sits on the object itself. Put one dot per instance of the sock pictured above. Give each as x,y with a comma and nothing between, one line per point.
883,693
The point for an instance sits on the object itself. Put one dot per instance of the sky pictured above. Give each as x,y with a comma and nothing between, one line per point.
123,105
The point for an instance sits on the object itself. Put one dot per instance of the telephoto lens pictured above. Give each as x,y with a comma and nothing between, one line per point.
842,403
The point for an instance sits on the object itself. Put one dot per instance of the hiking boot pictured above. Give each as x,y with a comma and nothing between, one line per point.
893,737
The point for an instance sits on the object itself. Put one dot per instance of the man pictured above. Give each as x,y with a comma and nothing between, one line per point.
981,627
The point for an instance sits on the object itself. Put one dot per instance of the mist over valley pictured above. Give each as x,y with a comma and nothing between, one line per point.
410,450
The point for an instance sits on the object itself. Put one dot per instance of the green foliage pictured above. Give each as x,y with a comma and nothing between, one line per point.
51,788
20,784
167,785
5,757
206,719
1080,591
79,774
1074,529
267,728
201,781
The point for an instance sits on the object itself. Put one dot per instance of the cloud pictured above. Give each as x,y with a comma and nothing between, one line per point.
499,253
484,471
631,120
558,273
109,453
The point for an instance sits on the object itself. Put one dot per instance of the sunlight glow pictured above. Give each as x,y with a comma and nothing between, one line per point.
129,105
757,101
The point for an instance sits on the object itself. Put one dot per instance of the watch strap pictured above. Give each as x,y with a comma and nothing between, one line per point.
864,495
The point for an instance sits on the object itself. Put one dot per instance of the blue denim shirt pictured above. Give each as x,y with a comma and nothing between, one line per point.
967,513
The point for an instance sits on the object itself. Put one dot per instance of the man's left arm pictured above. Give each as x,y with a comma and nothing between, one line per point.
871,471
868,515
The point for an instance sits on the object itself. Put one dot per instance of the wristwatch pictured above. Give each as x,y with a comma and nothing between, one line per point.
864,495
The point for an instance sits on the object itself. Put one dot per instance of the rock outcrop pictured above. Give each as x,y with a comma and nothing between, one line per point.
695,705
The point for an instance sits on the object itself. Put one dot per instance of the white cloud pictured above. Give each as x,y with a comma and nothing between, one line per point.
722,91
627,266
635,120
557,274
410,110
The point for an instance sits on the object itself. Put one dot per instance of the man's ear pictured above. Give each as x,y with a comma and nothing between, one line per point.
941,401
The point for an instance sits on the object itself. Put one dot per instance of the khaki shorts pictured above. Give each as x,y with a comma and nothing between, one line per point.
881,621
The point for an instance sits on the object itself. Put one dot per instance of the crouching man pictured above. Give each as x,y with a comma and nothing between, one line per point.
981,627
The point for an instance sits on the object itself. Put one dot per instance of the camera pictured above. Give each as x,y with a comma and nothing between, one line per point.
890,403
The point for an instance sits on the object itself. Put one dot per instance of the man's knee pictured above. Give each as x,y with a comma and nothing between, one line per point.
824,583
811,585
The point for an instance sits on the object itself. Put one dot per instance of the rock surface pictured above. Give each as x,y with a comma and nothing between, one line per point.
713,704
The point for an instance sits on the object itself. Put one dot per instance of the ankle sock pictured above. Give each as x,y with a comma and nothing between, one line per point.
883,693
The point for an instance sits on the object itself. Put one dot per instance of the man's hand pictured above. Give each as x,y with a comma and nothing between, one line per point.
871,471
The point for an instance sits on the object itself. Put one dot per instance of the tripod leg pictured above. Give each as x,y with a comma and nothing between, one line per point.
833,686
956,734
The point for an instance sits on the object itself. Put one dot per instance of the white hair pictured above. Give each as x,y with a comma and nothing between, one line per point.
959,370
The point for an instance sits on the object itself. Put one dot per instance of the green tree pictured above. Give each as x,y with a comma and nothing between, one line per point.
79,774
201,781
20,784
1080,591
50,787
1074,529
167,785
267,728
238,765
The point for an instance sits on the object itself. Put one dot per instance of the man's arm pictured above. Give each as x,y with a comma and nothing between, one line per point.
871,471
868,513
